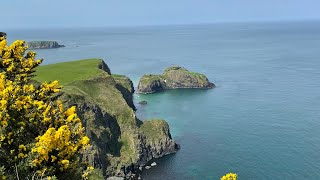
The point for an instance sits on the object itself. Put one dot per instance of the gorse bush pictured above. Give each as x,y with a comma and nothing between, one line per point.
38,136
229,176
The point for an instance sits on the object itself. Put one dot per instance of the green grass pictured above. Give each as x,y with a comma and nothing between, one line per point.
154,129
184,70
147,78
118,76
198,75
181,69
174,68
67,72
102,91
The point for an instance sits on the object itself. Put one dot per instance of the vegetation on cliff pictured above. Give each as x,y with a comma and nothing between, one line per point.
173,78
150,128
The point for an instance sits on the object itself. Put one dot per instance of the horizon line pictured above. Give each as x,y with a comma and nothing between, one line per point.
165,25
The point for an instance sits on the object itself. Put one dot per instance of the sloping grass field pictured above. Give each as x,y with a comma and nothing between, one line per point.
67,72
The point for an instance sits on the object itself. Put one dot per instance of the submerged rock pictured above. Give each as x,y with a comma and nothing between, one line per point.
173,78
148,167
143,102
43,45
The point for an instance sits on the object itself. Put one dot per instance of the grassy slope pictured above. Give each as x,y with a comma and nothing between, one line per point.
66,72
148,78
200,76
102,91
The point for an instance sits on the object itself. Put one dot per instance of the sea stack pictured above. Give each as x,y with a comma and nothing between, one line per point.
175,77
43,45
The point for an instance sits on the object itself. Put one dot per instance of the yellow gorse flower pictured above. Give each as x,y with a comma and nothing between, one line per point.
22,147
27,111
87,172
229,176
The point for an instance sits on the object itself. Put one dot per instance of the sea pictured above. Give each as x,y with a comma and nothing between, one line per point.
262,121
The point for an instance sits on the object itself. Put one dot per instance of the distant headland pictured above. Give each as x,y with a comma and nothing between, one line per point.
43,45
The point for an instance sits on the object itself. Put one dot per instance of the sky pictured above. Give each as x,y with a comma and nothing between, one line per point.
100,13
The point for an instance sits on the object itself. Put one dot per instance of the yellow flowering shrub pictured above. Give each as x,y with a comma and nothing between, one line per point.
36,131
229,176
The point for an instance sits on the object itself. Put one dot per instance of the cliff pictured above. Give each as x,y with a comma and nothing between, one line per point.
43,45
173,78
121,143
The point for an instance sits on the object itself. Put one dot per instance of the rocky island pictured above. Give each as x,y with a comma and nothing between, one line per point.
121,143
173,78
43,45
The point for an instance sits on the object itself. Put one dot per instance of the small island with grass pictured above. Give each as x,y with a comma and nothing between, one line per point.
174,77
44,45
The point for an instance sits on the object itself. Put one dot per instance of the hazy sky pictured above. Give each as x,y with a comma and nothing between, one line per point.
86,13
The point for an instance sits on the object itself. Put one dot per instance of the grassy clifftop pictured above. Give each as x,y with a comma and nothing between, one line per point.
92,80
67,72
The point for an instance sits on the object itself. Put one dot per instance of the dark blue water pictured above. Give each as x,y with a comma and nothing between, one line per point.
261,122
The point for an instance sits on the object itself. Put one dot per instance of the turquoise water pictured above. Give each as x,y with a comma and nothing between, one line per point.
261,122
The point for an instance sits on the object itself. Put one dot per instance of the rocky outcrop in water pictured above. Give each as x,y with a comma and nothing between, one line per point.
173,78
43,45
143,102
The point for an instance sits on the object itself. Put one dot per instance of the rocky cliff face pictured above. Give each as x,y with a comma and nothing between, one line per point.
43,44
121,143
173,78
125,86
151,83
158,142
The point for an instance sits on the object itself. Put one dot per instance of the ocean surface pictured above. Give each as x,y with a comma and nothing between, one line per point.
262,121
